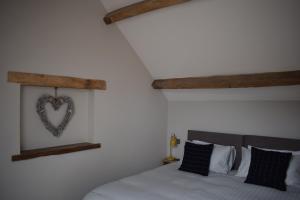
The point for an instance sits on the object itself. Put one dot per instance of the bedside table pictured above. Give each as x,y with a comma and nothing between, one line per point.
166,161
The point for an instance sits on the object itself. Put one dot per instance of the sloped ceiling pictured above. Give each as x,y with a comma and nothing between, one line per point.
217,37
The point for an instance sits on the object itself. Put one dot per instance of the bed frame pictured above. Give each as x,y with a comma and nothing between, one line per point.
244,140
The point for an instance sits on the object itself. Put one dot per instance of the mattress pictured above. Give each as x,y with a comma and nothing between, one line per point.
168,183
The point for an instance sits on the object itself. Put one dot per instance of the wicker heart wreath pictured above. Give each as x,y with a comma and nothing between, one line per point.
56,103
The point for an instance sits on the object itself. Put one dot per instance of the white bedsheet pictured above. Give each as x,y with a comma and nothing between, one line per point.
168,183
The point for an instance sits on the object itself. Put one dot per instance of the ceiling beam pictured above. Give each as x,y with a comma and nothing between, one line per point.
139,8
45,80
231,81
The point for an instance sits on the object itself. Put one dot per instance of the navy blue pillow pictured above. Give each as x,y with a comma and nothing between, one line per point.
268,168
196,158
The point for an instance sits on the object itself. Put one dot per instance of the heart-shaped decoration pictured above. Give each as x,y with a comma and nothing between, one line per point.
56,103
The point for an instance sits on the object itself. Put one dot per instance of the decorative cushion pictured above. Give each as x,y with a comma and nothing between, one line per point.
268,168
196,158
293,172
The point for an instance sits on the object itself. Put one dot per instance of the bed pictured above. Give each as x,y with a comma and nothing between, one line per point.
167,182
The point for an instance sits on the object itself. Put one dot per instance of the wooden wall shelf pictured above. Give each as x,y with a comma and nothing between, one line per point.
34,153
231,81
139,8
45,80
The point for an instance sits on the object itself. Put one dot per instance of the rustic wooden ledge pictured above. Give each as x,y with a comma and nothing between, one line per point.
34,153
45,80
139,8
231,81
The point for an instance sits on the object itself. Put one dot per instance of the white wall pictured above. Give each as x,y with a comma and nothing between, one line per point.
268,118
68,37
208,37
216,37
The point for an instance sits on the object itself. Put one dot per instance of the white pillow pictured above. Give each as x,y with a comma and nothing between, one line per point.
245,163
293,172
222,157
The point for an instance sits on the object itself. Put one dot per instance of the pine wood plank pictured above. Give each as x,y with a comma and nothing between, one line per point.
29,154
44,80
139,8
231,81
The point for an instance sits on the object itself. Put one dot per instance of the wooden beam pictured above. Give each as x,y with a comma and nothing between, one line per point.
139,8
231,81
44,80
29,154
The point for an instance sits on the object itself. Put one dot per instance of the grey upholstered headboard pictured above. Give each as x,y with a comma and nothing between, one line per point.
244,140
272,142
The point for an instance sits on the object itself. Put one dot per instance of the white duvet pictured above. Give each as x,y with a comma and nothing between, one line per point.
168,183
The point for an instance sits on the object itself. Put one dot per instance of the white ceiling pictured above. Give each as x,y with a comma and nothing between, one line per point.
217,37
